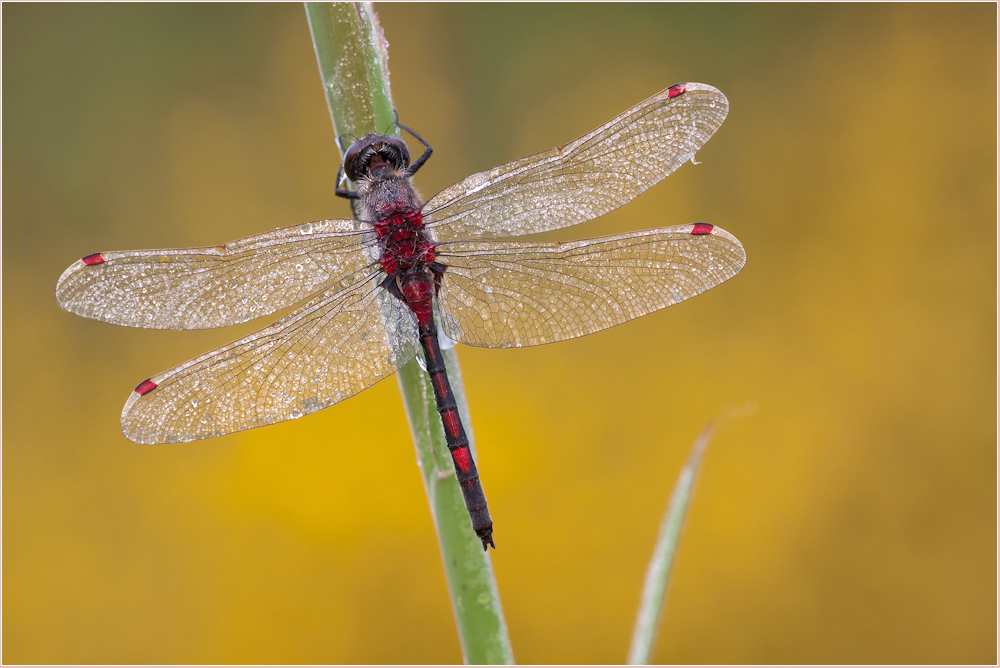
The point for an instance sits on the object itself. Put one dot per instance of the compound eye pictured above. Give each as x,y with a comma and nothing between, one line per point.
352,156
399,149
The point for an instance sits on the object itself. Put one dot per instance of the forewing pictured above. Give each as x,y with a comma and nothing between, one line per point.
325,351
215,286
506,293
586,178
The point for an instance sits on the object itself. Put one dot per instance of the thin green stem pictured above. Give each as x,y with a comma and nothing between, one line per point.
353,63
658,574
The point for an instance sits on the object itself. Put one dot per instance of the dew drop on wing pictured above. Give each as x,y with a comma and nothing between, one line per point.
306,228
295,414
476,182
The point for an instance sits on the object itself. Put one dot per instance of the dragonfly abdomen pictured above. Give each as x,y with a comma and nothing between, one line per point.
407,255
456,438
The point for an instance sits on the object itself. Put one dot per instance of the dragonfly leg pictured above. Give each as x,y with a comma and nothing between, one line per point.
419,162
343,192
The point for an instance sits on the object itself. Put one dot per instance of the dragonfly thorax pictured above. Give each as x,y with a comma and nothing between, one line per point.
403,242
386,194
406,252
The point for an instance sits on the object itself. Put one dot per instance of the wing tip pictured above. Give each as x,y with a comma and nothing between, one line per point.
87,261
61,298
699,229
129,423
706,229
128,429
677,90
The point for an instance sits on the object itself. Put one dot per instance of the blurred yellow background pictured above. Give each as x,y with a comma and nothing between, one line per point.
850,518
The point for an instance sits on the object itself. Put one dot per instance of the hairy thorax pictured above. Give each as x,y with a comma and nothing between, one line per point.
406,252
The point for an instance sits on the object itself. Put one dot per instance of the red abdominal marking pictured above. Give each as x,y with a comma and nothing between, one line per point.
440,384
702,228
450,421
145,387
92,259
461,457
433,361
418,295
674,91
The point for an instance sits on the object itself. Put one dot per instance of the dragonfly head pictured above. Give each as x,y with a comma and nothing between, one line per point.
373,154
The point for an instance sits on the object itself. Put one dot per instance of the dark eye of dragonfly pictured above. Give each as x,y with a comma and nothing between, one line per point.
374,150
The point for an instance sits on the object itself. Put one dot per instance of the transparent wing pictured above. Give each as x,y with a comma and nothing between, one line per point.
215,286
586,178
506,293
325,351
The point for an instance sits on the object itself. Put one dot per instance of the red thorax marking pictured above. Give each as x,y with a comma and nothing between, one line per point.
461,457
92,259
398,220
404,242
674,91
145,387
702,228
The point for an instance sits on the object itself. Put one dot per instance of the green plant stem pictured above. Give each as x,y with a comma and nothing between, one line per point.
658,574
353,63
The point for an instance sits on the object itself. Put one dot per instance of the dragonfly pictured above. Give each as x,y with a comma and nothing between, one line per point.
373,293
